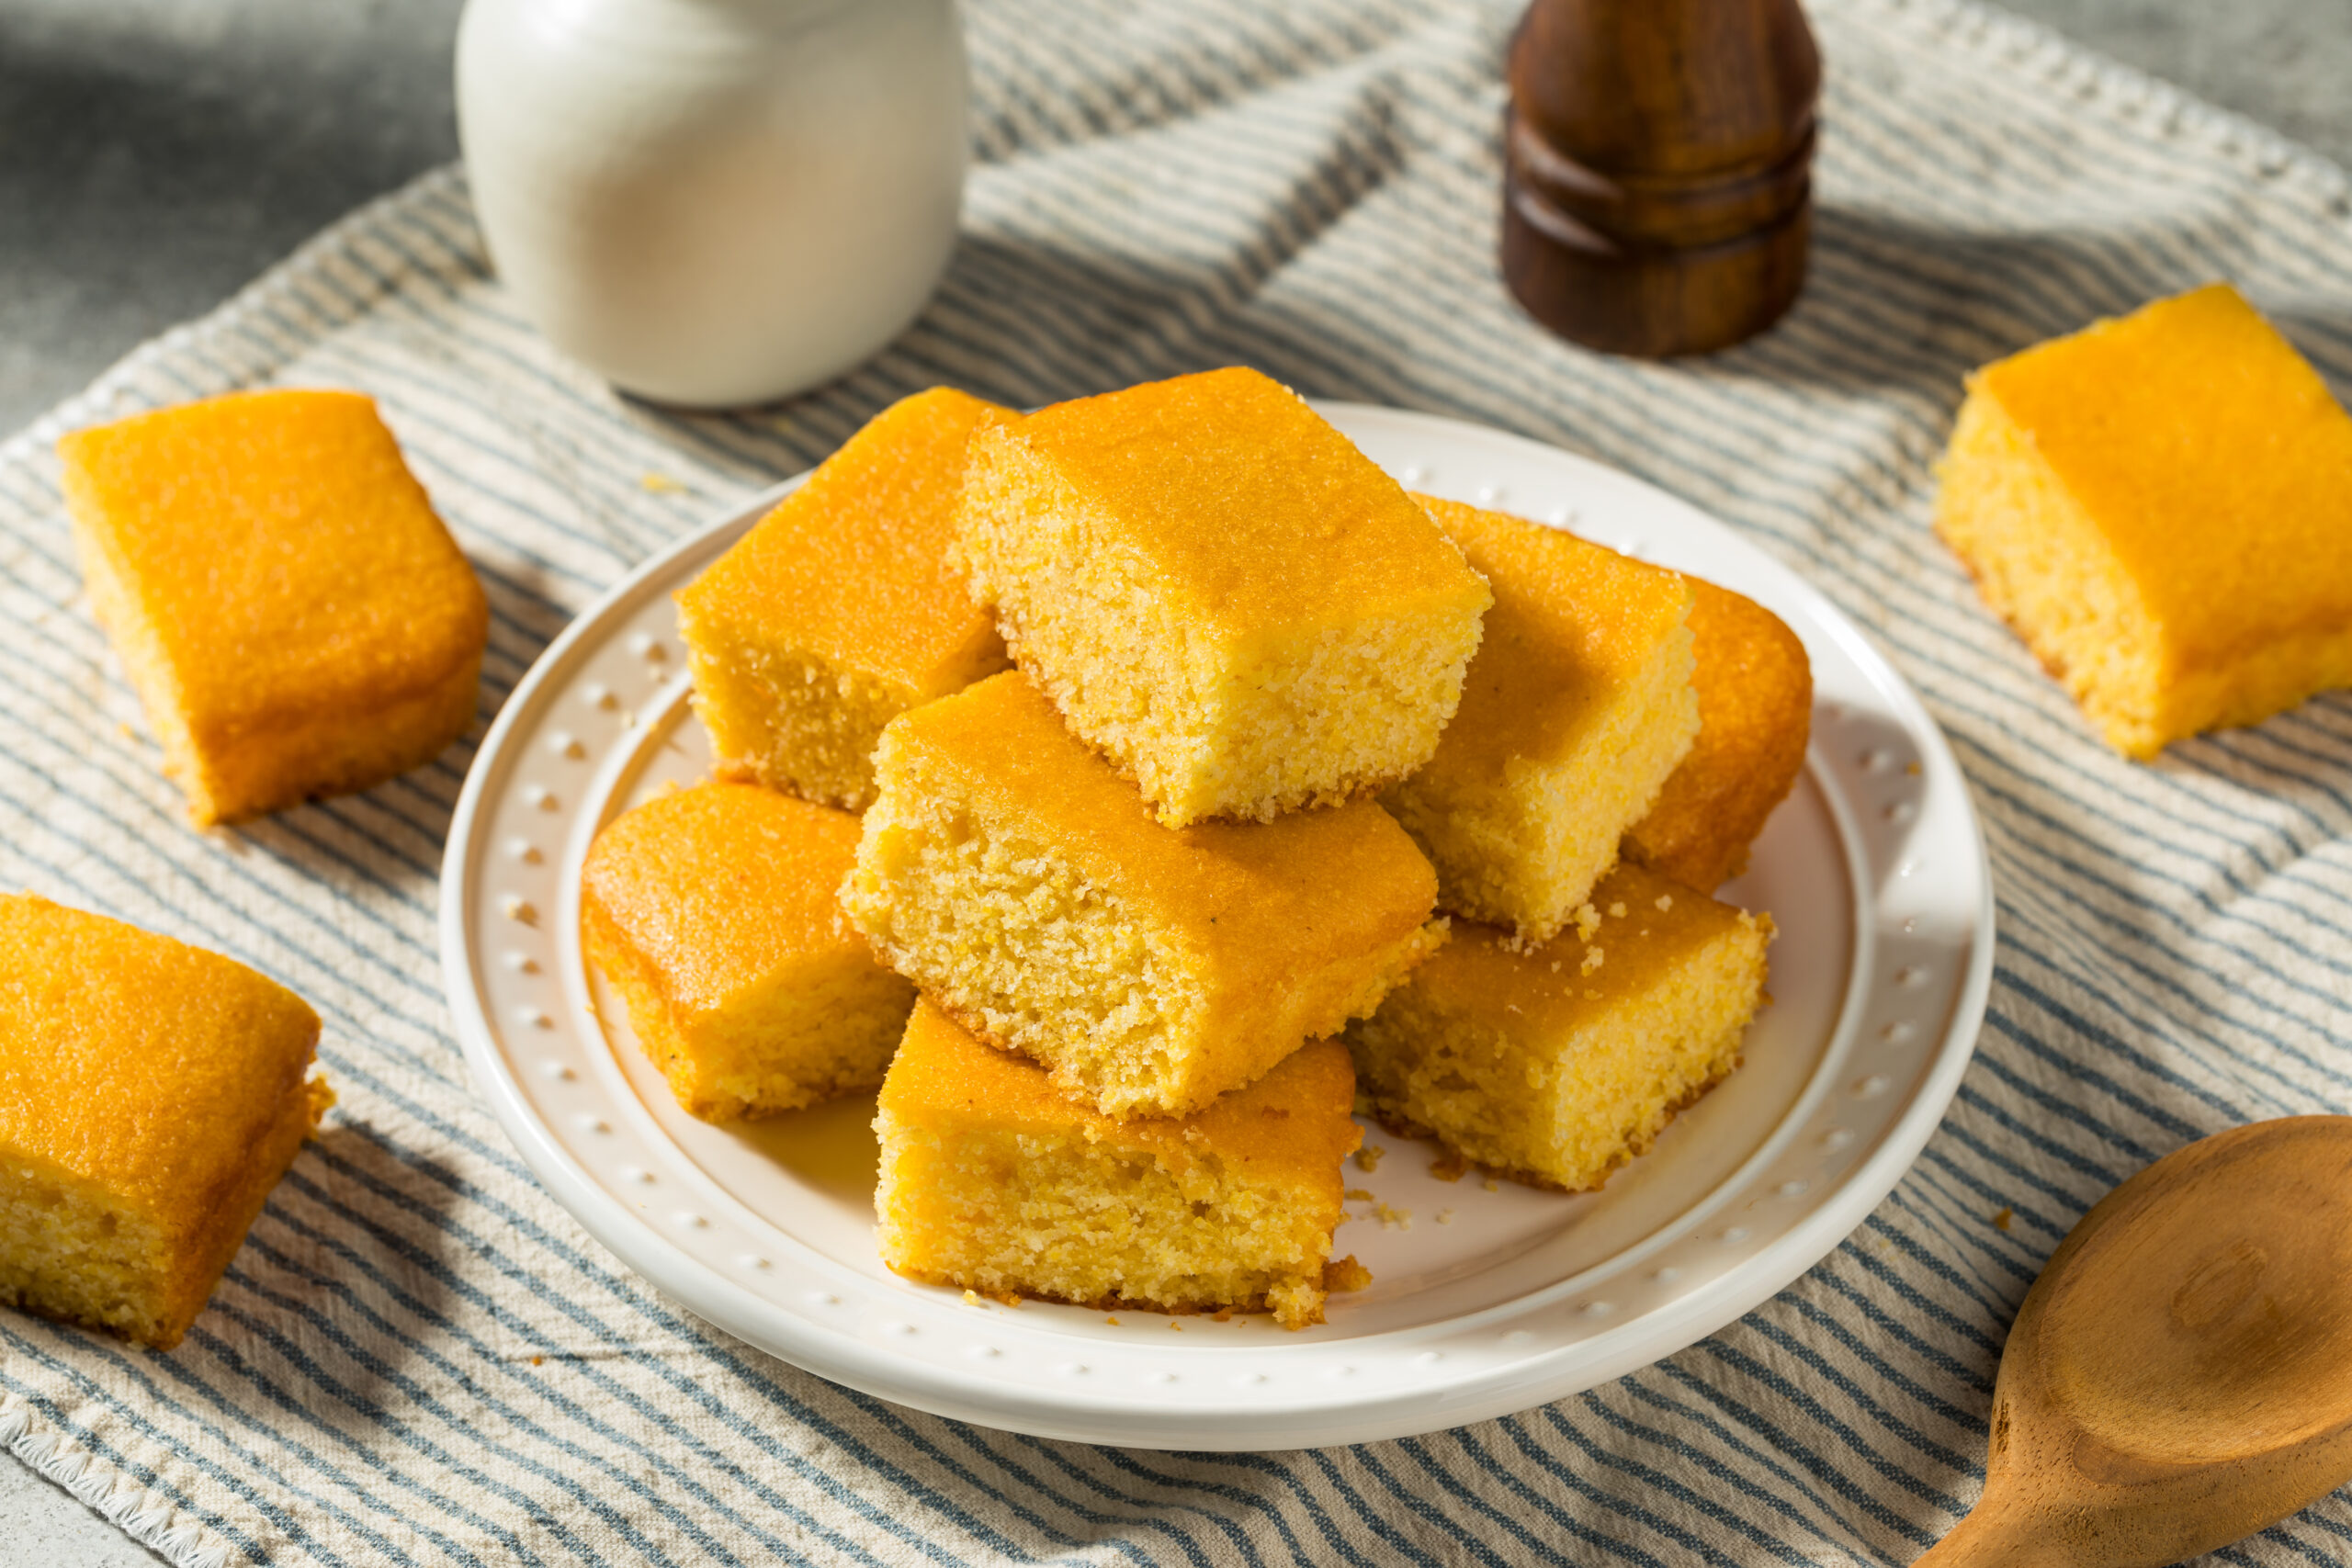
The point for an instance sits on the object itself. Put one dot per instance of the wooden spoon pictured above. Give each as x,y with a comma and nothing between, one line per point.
2181,1374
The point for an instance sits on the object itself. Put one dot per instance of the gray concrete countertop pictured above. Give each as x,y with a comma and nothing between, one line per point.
155,154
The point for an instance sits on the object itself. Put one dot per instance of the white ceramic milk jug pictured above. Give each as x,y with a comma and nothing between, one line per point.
715,202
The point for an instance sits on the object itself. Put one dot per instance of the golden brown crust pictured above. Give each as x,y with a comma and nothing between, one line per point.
1755,687
166,1084
293,616
1295,1115
881,513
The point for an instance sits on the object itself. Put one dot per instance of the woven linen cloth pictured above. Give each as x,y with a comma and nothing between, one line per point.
419,1357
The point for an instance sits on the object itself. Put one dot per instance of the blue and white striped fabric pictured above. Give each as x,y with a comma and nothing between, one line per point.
417,1357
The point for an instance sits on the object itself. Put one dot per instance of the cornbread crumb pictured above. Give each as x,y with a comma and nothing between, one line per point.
711,911
1665,902
1026,888
150,1096
796,671
1618,908
1587,920
1393,1219
990,1180
1445,1216
1576,709
1592,960
1369,1156
1345,1275
2161,506
1581,1078
296,620
1358,1195
1449,1166
971,1297
1221,593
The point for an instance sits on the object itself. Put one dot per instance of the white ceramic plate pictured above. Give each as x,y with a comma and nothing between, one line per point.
1483,1302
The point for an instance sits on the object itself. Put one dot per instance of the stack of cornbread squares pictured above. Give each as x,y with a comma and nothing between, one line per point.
1131,927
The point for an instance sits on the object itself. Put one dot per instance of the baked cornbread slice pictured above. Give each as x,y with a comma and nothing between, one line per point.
838,610
1754,687
711,911
2161,505
1220,594
1577,708
294,617
992,1180
150,1095
1023,885
1556,1065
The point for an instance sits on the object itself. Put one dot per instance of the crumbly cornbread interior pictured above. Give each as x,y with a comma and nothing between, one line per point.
1754,683
1575,710
295,619
839,610
1027,889
150,1096
1556,1065
711,910
990,1179
2161,505
1220,592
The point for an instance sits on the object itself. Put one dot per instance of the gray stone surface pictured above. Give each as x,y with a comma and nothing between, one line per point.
45,1524
2285,63
154,154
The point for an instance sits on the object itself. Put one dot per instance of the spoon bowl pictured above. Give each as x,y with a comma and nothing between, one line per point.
2180,1375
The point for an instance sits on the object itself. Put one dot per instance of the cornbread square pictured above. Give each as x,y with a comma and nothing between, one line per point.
1577,708
1023,885
992,1180
150,1095
1556,1065
711,911
2162,507
1220,594
1754,687
294,617
839,611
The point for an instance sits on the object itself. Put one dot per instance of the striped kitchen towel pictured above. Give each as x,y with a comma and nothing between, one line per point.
418,1357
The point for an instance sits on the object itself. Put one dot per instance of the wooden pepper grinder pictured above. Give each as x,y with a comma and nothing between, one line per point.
1658,194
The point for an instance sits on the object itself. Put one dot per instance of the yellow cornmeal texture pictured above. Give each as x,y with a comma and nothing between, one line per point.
150,1095
992,1180
296,620
1221,593
1556,1065
2162,507
1577,708
838,610
1754,687
711,910
1025,888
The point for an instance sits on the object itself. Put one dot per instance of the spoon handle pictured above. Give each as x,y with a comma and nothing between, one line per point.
1993,1536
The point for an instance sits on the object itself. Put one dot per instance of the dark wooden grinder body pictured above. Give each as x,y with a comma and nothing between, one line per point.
1658,194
